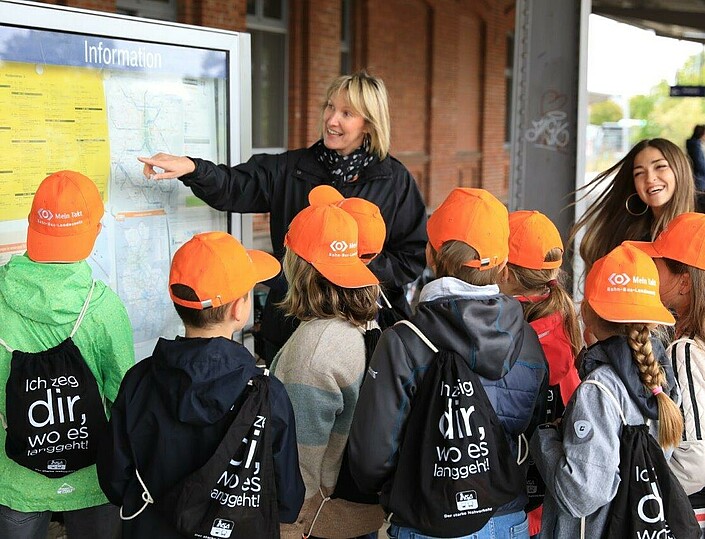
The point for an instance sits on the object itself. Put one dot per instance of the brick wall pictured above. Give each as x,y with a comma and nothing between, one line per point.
444,65
225,14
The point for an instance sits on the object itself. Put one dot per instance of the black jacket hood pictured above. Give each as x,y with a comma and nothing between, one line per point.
489,332
615,352
200,379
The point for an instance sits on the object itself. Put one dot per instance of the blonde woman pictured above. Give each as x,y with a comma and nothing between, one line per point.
352,155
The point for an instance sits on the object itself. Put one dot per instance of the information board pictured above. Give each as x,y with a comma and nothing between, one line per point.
91,92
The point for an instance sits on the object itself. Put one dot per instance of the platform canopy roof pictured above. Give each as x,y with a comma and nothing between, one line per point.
679,19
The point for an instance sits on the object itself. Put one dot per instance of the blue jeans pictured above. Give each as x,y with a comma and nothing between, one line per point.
510,526
102,521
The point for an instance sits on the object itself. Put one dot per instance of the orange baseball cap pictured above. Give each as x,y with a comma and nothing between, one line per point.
371,230
682,240
326,237
475,217
623,286
64,221
531,236
218,269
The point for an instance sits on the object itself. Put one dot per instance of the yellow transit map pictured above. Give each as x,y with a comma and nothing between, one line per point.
57,115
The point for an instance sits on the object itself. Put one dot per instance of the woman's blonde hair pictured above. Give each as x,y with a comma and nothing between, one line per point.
692,323
557,300
311,296
670,420
367,96
450,261
607,222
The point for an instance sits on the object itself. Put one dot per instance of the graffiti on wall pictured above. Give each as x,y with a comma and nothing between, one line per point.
551,130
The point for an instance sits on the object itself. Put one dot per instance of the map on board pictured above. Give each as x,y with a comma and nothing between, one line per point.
58,113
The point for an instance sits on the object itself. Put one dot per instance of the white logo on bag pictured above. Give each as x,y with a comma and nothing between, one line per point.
466,500
619,279
65,489
56,465
222,528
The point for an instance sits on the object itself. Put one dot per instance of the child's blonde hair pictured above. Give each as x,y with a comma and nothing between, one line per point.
450,261
670,419
557,300
311,296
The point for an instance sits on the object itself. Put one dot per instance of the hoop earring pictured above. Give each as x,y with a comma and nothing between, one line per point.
629,210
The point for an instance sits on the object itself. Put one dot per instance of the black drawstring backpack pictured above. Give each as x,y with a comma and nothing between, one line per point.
55,414
535,487
233,495
345,486
455,465
650,501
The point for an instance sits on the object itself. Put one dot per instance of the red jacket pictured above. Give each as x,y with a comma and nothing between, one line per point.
561,372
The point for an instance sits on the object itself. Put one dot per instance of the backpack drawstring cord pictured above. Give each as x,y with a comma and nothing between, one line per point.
146,496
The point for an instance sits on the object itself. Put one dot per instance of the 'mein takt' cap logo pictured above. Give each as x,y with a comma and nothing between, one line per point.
338,246
45,214
619,279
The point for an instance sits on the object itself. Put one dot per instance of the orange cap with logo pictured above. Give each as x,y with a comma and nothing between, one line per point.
326,237
682,240
475,217
371,230
64,221
218,269
531,236
623,286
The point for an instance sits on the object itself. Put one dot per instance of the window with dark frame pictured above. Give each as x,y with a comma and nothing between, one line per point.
267,23
346,37
509,81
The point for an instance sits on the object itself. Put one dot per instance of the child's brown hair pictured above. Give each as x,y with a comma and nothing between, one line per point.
450,261
311,296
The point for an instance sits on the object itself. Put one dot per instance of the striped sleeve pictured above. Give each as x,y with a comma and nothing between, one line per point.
688,360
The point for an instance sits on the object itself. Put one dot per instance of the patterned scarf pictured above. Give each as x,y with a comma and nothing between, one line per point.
344,168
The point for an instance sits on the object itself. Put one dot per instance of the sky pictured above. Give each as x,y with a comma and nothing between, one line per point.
625,60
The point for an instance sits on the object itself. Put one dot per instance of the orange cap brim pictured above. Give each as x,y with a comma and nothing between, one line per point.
60,249
633,314
266,266
354,274
646,247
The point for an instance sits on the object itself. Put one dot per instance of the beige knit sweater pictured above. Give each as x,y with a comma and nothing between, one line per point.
322,366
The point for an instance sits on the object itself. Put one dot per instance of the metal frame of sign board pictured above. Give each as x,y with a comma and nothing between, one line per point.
95,23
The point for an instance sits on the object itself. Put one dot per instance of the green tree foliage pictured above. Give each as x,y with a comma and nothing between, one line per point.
605,111
670,117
